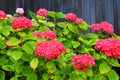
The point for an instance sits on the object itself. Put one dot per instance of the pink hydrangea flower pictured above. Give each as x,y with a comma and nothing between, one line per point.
105,26
50,49
70,16
78,20
49,34
82,61
110,47
42,12
9,16
20,11
38,34
21,22
2,14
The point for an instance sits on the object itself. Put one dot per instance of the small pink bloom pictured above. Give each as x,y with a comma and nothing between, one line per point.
2,14
49,34
42,12
38,34
78,20
9,16
82,61
21,22
70,16
20,11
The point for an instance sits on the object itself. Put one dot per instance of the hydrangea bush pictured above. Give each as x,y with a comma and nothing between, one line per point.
53,46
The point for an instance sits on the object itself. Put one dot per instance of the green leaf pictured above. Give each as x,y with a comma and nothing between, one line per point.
29,37
112,75
3,61
50,24
13,41
91,35
73,29
69,55
35,24
67,44
104,68
58,77
98,77
62,24
16,54
29,47
50,64
32,77
2,45
115,62
33,15
34,63
65,31
8,67
89,72
75,44
52,14
60,15
83,26
14,78
2,75
45,76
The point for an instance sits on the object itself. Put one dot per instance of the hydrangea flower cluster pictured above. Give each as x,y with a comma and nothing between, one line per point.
82,61
20,11
50,49
105,26
2,14
110,46
21,22
49,34
73,17
42,12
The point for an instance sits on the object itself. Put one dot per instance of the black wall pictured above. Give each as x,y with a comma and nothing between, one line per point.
91,11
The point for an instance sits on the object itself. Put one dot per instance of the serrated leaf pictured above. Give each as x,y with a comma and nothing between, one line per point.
8,68
62,24
60,15
52,14
112,75
34,63
2,75
89,72
104,68
115,62
91,35
33,15
3,61
73,29
50,64
65,31
45,76
13,41
29,37
32,77
50,24
75,44
58,77
14,78
83,26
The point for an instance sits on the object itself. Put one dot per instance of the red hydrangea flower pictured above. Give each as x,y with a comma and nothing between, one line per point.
2,14
78,20
49,49
70,16
21,22
82,61
105,26
49,34
38,34
110,47
42,12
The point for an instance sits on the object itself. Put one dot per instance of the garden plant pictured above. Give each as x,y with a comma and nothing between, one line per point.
56,46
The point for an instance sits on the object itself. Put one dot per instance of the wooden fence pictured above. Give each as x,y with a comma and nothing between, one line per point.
92,11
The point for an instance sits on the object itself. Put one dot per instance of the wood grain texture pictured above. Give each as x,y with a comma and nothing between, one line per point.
92,11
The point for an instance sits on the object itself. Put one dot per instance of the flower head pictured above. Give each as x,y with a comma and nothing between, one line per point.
20,11
2,14
42,12
9,16
49,34
38,34
110,47
105,26
21,22
82,61
78,20
49,49
70,16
